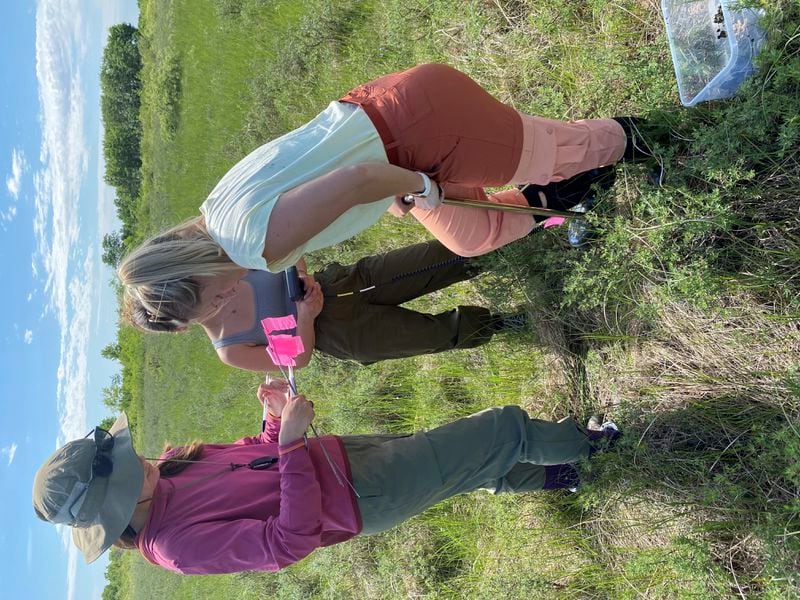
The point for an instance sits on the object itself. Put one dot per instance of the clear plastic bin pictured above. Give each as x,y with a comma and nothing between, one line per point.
713,45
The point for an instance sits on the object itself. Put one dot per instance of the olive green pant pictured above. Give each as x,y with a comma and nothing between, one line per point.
502,449
372,326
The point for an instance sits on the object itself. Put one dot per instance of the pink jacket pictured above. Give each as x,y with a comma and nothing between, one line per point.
209,519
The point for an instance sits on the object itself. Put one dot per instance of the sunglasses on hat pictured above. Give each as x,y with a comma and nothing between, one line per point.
102,466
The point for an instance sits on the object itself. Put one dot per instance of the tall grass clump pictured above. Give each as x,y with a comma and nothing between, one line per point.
724,216
710,407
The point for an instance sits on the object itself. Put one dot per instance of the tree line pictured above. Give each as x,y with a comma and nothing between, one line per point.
120,101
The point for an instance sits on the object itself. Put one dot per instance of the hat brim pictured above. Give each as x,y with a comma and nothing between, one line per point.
122,494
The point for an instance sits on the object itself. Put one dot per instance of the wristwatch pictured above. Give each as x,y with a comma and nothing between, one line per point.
425,190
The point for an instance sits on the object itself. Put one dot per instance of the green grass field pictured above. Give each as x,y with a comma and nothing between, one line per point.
680,320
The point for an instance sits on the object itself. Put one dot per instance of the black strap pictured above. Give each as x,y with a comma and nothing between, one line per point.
261,463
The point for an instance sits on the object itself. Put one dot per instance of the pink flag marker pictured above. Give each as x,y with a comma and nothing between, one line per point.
271,324
283,349
553,222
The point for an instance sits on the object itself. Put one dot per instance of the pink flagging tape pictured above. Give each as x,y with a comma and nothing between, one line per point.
271,324
553,222
282,349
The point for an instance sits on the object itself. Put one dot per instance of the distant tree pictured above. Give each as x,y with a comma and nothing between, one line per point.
107,423
112,351
121,86
113,248
113,396
115,574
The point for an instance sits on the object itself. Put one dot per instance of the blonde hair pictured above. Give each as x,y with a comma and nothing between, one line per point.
160,276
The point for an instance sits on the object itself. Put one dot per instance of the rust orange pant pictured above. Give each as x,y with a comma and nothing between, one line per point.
435,119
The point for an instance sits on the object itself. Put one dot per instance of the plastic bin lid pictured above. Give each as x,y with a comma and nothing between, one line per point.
712,46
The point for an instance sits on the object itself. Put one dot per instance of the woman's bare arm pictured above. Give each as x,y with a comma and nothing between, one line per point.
255,358
301,213
251,358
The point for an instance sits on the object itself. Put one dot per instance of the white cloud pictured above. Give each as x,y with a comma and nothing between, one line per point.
28,336
7,215
18,166
64,258
13,183
8,453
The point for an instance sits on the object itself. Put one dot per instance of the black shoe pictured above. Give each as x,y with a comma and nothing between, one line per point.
516,323
603,435
641,134
569,193
560,477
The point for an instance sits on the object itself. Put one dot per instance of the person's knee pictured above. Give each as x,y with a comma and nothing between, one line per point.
513,411
437,70
466,248
509,416
468,251
503,424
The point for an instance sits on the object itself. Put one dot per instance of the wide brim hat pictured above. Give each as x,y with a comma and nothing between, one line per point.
109,502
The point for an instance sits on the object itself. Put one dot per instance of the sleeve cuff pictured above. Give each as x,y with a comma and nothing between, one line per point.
301,443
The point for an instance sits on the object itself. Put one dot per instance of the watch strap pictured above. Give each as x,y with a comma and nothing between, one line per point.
426,190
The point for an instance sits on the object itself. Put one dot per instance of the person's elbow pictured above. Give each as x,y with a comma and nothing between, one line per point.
361,172
359,177
290,547
302,360
230,356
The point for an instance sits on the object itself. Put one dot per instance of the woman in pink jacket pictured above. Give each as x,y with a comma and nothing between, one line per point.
265,502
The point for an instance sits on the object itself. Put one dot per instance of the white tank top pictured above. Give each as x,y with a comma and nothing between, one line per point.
237,210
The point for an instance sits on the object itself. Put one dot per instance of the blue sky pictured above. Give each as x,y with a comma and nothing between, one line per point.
59,309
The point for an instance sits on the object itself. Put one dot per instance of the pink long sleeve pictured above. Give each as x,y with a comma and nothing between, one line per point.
221,545
268,436
211,519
